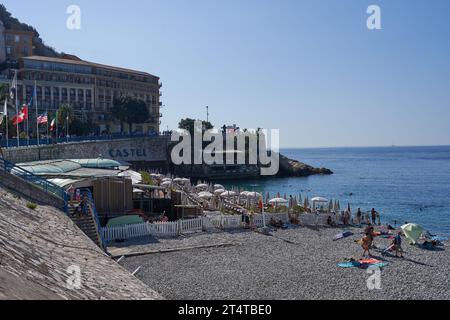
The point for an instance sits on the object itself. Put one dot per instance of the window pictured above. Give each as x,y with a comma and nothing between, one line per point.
16,38
26,51
8,50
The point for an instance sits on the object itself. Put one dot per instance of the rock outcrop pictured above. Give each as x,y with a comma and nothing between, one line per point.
294,168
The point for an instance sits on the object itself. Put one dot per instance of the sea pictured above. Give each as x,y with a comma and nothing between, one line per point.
404,184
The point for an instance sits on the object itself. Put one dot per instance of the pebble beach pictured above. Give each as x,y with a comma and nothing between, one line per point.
295,264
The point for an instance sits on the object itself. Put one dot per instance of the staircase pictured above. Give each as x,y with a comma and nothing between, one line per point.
87,219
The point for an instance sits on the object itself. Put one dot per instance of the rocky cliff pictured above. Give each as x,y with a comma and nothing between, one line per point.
294,168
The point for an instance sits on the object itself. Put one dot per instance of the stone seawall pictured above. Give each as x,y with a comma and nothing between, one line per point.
31,192
148,150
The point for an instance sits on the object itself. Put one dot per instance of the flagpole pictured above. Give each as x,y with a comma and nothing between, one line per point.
17,108
56,126
48,141
36,105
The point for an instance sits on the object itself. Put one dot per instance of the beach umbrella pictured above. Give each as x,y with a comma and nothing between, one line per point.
278,195
218,186
166,184
413,232
202,186
300,199
338,206
254,195
278,201
349,209
285,196
306,204
166,180
205,195
244,194
331,206
219,192
228,194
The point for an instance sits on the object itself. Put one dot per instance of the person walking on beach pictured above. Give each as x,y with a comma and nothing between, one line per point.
397,245
366,244
359,216
374,216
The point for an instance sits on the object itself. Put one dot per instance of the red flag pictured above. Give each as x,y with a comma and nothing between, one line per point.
53,125
21,117
25,112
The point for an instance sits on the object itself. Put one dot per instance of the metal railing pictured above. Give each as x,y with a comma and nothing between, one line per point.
95,215
12,143
29,177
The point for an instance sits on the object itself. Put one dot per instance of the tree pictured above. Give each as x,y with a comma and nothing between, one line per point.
130,111
188,125
66,115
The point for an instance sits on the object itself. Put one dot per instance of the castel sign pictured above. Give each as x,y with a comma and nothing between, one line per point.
129,153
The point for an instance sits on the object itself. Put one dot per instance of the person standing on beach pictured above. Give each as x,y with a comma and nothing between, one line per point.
359,216
374,216
366,244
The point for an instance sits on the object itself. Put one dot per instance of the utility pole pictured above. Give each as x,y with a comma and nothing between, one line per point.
207,113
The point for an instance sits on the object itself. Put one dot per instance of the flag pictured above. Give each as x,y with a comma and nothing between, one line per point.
13,89
42,119
21,117
4,113
24,112
53,125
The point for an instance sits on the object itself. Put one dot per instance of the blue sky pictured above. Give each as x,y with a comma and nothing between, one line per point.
309,68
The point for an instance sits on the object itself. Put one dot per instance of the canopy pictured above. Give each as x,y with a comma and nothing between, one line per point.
278,201
125,220
413,232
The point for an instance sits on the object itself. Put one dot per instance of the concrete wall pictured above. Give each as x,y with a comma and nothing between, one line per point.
28,191
143,150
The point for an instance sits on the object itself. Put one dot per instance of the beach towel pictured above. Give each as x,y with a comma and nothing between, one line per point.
343,235
358,264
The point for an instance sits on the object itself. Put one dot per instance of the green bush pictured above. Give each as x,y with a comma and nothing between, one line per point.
147,178
31,206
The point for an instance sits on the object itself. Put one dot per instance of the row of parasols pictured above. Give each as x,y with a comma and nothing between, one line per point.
207,192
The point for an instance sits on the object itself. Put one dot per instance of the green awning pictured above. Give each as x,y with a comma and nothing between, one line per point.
125,220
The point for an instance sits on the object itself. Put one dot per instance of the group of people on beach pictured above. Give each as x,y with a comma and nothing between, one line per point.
367,242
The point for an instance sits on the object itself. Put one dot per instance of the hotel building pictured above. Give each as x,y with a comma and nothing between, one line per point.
89,88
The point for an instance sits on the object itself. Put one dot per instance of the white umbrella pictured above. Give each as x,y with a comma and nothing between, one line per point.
244,194
278,201
166,184
219,192
218,187
228,194
205,195
135,177
202,186
166,180
254,195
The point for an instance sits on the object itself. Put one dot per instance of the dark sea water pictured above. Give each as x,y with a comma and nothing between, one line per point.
405,184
